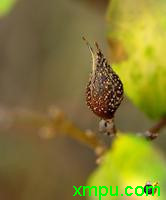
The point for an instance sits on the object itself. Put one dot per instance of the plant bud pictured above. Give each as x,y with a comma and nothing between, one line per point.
104,91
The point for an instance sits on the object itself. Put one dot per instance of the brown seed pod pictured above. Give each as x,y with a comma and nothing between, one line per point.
104,91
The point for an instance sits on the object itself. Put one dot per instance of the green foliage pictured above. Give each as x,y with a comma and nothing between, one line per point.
132,161
141,29
6,6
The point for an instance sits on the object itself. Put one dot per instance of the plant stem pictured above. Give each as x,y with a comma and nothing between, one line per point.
152,133
108,127
51,125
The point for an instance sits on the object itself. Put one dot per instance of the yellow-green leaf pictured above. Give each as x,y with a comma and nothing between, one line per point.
132,161
139,28
6,6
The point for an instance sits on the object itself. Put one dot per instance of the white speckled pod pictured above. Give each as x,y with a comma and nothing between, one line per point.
104,91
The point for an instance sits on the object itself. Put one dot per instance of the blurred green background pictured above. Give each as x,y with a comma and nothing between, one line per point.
44,62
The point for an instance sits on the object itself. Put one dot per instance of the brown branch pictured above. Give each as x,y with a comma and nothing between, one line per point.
50,125
153,132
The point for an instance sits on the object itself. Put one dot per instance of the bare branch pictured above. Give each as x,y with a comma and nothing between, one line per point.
50,125
153,132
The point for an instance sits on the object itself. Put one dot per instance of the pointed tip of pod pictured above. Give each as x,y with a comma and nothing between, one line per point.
92,53
98,50
88,44
97,47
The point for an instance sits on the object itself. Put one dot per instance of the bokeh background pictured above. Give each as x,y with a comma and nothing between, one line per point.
44,62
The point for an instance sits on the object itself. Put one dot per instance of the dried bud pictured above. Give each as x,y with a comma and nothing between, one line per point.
104,91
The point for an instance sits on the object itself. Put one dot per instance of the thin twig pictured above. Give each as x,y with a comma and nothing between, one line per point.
51,125
153,132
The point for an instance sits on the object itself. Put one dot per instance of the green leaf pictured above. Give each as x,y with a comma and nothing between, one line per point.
140,28
6,6
132,161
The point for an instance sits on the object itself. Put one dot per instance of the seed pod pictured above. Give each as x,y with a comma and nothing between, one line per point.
104,91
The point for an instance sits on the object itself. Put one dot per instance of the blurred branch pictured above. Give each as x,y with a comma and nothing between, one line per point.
54,123
101,6
153,132
50,125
